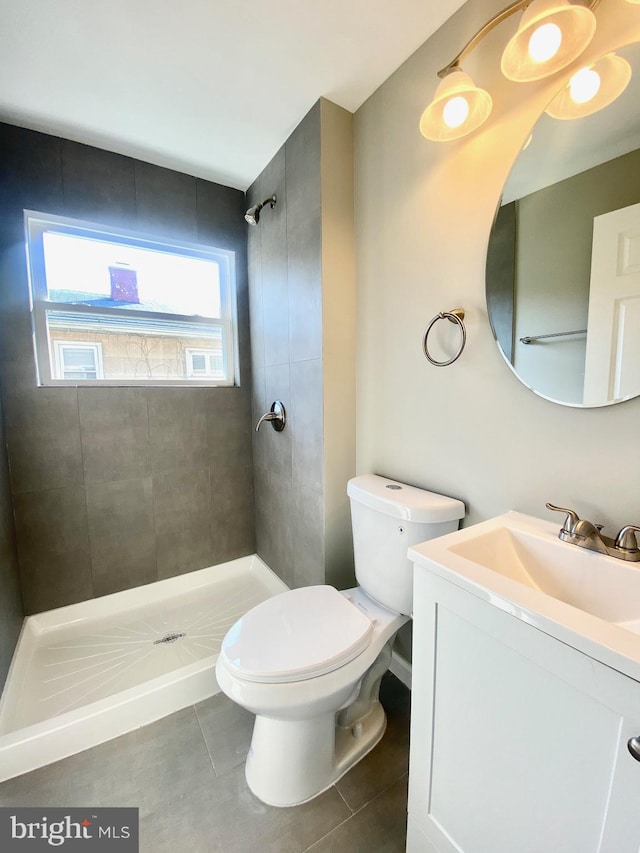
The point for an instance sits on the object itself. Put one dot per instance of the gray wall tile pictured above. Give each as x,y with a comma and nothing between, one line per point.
97,185
307,423
165,202
220,212
308,537
178,428
258,408
30,175
256,310
286,249
303,160
50,581
304,238
305,293
11,607
114,429
276,446
123,545
16,343
53,547
182,519
254,262
274,519
232,512
273,228
53,521
272,449
43,436
226,409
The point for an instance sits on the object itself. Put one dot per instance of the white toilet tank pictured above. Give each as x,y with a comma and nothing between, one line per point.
387,518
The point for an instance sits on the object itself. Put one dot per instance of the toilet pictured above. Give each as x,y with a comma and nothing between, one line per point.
308,662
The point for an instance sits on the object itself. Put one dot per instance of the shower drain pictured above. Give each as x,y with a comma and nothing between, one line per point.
171,637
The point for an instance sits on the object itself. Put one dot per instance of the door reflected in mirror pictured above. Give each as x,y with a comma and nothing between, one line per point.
563,263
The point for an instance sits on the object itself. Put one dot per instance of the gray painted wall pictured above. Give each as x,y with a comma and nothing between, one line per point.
117,487
296,260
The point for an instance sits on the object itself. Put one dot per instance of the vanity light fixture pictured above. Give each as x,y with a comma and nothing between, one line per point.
591,88
458,107
551,34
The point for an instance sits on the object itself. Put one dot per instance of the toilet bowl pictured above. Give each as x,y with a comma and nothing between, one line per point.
294,755
308,662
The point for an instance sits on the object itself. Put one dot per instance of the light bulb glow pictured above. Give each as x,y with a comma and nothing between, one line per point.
592,88
458,108
455,111
584,85
545,42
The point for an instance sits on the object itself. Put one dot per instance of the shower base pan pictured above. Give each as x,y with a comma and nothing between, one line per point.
89,672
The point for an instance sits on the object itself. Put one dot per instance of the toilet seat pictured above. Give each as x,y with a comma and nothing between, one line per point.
299,634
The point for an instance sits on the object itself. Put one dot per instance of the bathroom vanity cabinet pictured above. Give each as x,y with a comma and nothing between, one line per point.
518,740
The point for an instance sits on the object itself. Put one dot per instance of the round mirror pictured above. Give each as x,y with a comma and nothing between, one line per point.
563,263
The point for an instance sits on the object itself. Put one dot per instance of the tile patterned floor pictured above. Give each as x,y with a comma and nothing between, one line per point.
186,775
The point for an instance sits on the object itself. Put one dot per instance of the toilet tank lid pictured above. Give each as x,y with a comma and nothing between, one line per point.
402,501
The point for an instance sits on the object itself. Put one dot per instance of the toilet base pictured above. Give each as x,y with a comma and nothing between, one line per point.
291,762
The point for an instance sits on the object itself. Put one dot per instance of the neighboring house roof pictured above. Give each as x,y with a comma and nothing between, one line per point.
109,323
84,298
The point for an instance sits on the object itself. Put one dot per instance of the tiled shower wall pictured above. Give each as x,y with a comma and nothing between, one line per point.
117,487
298,284
10,599
286,329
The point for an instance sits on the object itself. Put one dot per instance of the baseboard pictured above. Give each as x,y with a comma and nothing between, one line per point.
401,668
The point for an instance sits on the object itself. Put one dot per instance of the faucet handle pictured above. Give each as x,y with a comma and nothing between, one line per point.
626,539
570,521
276,416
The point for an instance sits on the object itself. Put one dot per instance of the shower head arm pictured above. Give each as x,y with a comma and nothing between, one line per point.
253,214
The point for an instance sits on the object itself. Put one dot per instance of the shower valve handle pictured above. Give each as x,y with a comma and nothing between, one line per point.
277,416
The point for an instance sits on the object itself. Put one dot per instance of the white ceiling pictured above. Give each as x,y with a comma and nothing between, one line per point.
209,87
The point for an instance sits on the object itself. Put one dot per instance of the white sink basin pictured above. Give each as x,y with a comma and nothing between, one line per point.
519,563
603,586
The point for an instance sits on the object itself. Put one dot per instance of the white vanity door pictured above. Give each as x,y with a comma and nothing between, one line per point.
518,742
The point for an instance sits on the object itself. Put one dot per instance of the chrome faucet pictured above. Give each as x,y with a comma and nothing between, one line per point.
578,531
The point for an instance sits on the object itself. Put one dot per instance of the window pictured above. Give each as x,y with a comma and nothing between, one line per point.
112,307
76,360
204,362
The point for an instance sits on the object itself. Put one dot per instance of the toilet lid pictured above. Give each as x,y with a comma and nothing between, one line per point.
298,634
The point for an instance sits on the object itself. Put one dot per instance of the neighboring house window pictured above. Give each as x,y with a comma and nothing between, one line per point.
204,362
112,307
76,360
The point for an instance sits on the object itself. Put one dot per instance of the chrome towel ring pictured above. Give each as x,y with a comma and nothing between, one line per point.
454,316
